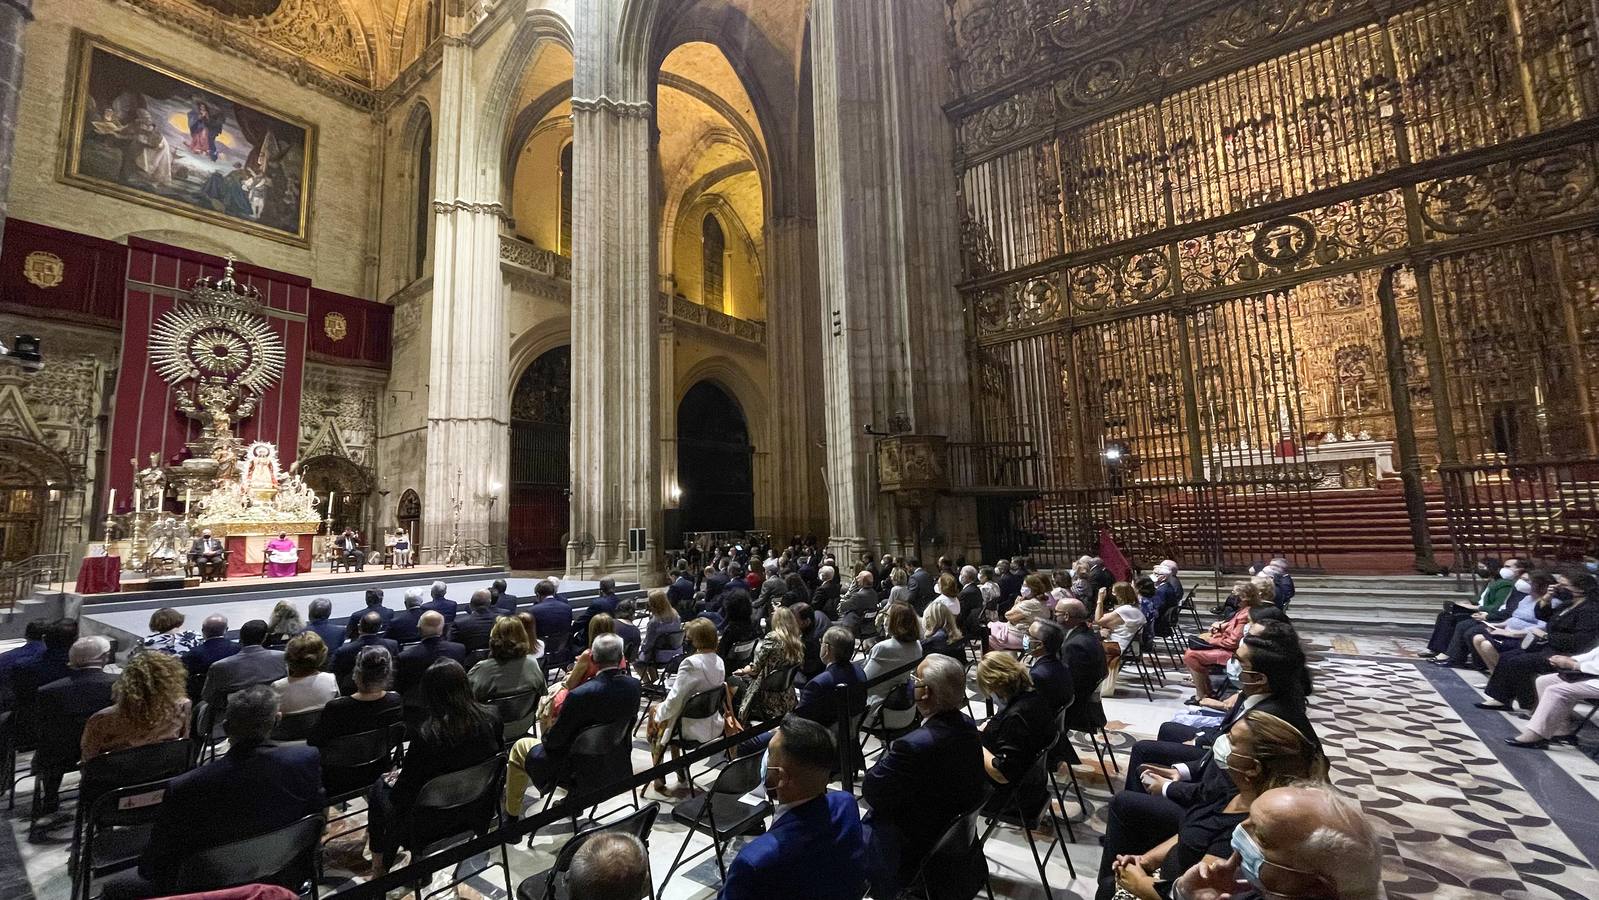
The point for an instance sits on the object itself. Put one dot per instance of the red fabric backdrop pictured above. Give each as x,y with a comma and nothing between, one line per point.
90,291
367,330
144,420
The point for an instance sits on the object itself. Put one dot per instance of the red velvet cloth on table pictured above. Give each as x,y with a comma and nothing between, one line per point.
100,575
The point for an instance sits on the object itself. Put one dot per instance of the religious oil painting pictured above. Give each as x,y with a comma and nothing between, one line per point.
140,131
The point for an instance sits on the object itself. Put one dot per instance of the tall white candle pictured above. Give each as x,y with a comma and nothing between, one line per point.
111,502
138,497
188,498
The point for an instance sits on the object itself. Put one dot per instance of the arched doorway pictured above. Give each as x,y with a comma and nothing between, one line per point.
715,462
349,486
541,414
28,471
408,514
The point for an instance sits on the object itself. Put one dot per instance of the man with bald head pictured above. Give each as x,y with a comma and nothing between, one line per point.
214,645
1304,840
472,630
415,659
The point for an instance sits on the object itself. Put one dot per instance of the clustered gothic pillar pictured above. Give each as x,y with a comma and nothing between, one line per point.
614,458
468,435
14,18
791,264
892,330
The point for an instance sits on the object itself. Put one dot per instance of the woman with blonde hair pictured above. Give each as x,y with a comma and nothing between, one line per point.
1259,753
306,686
781,648
149,705
943,633
1008,635
1016,736
949,593
284,623
700,671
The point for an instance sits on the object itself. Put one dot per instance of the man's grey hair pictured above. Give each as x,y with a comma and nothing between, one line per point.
1071,609
607,650
320,609
1002,566
251,714
92,650
610,866
413,597
968,573
1345,849
945,681
215,625
439,588
841,642
481,599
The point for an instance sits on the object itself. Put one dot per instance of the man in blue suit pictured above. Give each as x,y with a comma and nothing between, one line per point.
374,603
681,593
611,696
214,646
439,603
254,789
815,848
331,633
908,816
367,636
606,602
552,616
818,700
403,627
503,602
1051,677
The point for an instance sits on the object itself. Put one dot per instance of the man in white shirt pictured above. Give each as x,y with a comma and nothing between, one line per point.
1557,697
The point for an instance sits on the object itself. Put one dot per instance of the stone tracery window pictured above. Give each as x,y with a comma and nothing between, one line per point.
566,200
715,253
424,195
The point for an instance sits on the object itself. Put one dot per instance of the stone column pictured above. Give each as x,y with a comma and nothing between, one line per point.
468,437
14,18
615,468
790,332
892,329
666,402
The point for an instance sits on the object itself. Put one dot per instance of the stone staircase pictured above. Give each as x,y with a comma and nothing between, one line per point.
1401,605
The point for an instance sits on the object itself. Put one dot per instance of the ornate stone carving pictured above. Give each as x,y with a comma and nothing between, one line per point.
534,258
1525,190
339,413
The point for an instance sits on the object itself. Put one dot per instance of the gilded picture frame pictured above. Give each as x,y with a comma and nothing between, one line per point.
139,130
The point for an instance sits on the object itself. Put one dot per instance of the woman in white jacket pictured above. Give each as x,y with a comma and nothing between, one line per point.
700,671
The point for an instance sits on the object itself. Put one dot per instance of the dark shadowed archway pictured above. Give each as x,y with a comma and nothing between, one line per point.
715,462
541,415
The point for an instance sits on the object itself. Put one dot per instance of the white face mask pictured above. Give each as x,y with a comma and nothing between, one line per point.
1026,591
1507,573
1523,586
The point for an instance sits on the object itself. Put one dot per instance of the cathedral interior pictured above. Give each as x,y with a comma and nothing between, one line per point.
1216,280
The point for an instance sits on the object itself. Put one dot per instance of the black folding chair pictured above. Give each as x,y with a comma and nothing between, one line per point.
550,884
1063,736
205,730
938,874
454,808
741,654
111,835
703,705
121,768
778,680
1134,653
288,857
1010,804
296,726
352,762
721,813
596,758
898,700
518,711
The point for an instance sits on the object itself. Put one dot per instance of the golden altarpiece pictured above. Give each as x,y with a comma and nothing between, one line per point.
1244,272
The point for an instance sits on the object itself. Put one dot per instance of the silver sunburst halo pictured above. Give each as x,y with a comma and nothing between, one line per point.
215,342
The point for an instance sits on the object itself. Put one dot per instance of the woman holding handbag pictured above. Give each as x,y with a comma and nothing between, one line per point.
1571,627
1219,644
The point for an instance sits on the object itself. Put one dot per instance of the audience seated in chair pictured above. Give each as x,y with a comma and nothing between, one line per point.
923,782
149,705
371,706
819,699
1148,836
415,660
738,631
700,671
511,667
605,602
782,648
374,603
333,634
472,630
1569,615
898,648
64,708
610,696
815,848
402,628
36,670
504,602
1218,644
214,646
1084,655
368,634
283,624
211,805
609,867
456,733
943,634
1305,840
306,686
1016,736
167,634
253,664
438,601
662,640
1008,634
554,617
1051,676
1501,581
1119,618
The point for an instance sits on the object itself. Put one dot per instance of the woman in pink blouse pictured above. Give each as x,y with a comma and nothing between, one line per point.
1222,640
149,706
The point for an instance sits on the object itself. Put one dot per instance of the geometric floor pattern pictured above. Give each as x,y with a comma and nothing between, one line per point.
1462,815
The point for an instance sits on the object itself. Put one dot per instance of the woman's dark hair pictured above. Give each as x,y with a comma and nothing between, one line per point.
805,615
1540,581
1585,584
738,608
452,714
1145,586
796,585
1277,654
1267,613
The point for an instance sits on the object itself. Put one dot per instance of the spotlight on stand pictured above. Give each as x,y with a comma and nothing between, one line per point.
1113,454
24,351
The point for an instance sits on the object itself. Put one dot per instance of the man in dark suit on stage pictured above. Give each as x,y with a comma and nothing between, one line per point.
472,630
255,788
208,556
908,816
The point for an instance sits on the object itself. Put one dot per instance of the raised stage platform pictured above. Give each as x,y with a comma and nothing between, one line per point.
126,617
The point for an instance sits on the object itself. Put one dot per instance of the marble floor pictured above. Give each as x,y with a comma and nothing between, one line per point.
1462,815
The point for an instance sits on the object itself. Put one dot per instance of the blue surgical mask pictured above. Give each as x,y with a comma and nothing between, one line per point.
1219,751
1251,857
1591,566
1234,667
764,754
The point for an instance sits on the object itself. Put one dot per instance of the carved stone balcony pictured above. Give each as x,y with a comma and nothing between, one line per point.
527,258
684,310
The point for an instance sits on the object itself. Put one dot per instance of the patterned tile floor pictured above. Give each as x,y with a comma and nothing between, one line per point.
1460,818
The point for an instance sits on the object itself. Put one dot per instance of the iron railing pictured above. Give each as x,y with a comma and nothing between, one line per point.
19,579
